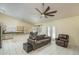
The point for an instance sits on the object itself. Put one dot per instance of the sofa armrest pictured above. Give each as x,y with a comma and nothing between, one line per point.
57,39
31,41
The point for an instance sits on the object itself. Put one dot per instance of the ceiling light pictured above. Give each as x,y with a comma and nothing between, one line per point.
42,16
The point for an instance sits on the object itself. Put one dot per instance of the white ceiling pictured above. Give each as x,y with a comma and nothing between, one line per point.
27,12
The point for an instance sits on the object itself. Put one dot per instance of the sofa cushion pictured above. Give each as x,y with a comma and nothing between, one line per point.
33,35
40,37
40,41
64,36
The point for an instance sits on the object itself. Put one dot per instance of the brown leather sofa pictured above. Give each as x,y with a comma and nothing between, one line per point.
62,40
38,41
35,41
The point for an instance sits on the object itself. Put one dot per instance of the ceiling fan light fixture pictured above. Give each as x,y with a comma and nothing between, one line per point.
46,12
43,15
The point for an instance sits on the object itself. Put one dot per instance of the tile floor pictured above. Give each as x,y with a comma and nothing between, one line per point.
15,47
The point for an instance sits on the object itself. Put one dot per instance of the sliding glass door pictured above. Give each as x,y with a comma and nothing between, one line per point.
51,31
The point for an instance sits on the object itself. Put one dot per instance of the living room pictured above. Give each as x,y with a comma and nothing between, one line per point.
19,21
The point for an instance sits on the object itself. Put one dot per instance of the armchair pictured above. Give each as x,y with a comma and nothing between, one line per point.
62,40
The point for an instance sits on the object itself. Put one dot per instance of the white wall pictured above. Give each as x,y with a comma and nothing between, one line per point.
11,22
68,26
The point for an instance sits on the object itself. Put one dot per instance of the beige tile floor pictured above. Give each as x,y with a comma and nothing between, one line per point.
15,47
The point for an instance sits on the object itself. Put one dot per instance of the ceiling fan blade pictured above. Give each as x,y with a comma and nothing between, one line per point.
50,15
38,10
51,12
46,9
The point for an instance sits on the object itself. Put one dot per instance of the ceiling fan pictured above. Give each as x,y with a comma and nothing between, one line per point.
46,13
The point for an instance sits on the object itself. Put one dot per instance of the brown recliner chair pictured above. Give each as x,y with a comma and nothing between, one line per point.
62,40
